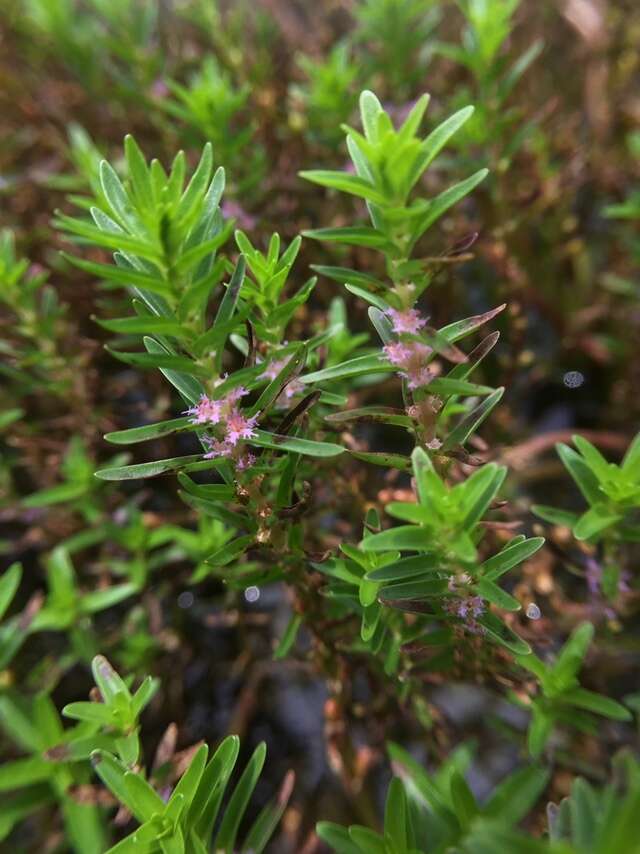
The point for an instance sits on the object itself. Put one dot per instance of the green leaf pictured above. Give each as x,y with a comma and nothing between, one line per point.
497,596
226,837
395,815
373,364
461,328
117,197
146,325
464,803
143,470
264,826
554,515
631,460
228,306
18,726
471,421
374,299
190,388
437,139
516,796
370,111
368,840
298,446
230,551
9,584
98,600
583,807
204,808
352,235
597,519
149,431
406,568
422,588
571,656
146,800
411,124
56,494
594,459
345,183
161,360
502,634
188,784
288,638
207,491
514,552
218,509
446,386
585,479
353,277
479,490
25,772
112,773
438,206
379,458
194,195
597,703
107,679
539,731
108,239
84,826
337,837
139,172
126,277
423,783
9,416
383,414
402,538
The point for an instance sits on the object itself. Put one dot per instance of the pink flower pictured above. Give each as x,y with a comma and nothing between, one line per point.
235,394
397,353
273,369
216,448
409,321
236,426
245,462
467,609
232,210
206,411
159,89
411,357
239,427
419,377
471,607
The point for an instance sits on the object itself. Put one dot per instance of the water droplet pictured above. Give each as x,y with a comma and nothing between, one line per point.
185,600
533,612
573,379
252,594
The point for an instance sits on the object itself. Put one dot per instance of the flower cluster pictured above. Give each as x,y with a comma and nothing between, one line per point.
464,605
468,609
411,358
408,322
237,427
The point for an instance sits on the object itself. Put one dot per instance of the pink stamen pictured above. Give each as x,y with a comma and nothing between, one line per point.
409,321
